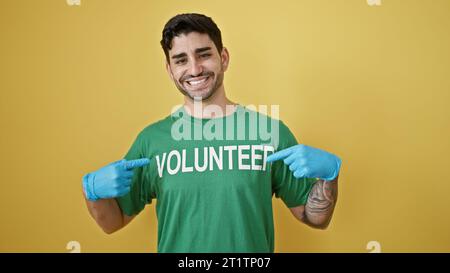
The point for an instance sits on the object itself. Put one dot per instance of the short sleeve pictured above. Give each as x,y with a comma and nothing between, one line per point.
142,191
292,191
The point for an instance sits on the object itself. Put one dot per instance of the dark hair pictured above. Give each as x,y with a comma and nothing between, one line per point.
186,23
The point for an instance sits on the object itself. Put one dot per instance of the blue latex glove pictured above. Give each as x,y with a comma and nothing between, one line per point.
305,161
111,181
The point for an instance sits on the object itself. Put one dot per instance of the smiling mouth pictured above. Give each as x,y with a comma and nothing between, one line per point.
198,83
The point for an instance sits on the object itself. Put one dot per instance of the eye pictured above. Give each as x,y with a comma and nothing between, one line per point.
180,61
205,55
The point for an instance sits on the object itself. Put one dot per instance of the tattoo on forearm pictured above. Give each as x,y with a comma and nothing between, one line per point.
321,202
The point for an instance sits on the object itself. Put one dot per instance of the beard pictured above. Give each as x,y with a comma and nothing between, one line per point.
202,95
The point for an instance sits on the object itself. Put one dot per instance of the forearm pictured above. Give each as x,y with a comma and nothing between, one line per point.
103,186
321,202
107,214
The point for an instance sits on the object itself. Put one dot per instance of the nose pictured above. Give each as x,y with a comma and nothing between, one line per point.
195,68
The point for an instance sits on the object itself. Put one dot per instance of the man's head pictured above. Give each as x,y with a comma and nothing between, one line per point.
196,58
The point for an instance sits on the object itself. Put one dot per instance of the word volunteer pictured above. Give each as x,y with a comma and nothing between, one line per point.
247,157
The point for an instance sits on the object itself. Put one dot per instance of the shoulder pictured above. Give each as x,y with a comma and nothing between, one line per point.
262,115
153,130
280,134
160,125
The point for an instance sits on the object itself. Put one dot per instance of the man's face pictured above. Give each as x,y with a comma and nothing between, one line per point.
195,66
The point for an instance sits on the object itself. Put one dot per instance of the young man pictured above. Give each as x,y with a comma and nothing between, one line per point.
210,170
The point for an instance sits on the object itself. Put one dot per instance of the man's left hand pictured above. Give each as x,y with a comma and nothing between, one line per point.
305,161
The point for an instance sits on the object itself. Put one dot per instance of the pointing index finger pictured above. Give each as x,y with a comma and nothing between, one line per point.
280,155
136,163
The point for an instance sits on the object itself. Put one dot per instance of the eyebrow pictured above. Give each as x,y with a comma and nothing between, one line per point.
198,50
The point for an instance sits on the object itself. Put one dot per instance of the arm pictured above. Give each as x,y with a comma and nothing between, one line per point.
108,215
310,162
318,210
101,187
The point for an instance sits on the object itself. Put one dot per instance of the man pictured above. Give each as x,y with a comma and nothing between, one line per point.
214,189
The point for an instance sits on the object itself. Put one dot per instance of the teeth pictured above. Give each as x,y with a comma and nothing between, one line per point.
197,82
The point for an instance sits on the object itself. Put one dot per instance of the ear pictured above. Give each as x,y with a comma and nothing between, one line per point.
225,56
168,70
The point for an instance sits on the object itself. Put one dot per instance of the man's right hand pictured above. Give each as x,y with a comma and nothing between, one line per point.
111,181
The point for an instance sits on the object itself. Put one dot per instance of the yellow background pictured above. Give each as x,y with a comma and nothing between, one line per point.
369,83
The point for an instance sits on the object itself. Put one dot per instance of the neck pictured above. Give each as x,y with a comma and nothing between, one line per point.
210,108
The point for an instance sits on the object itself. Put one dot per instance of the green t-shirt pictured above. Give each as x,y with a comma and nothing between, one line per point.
212,185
